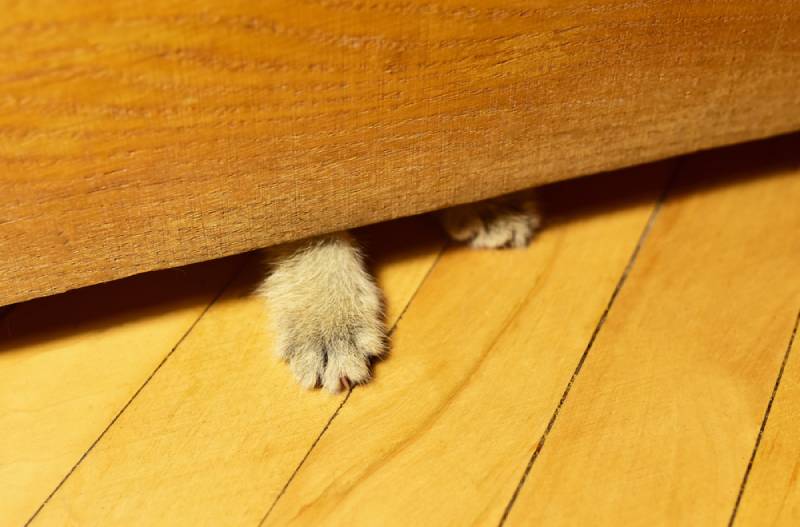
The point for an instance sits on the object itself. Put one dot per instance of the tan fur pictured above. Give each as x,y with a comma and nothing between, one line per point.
326,308
508,222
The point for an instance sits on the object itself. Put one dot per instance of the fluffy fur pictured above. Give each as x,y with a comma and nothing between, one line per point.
327,310
508,222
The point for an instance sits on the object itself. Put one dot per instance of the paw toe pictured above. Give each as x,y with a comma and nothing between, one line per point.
307,365
344,368
370,341
508,228
463,227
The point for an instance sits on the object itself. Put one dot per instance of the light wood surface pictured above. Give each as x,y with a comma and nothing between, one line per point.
772,493
70,363
457,405
628,393
141,135
221,387
662,420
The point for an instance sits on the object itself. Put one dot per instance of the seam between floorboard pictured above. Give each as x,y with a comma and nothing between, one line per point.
350,392
598,327
136,393
764,423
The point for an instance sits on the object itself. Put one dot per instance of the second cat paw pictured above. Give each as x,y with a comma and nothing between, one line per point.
493,224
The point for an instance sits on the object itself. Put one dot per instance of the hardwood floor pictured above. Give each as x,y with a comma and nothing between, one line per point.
637,365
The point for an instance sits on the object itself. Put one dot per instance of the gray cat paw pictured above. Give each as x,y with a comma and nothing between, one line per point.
493,224
326,312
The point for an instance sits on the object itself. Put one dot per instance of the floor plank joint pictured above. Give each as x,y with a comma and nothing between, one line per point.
764,421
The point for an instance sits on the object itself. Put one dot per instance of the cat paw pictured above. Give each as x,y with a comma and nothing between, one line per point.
493,224
326,311
335,357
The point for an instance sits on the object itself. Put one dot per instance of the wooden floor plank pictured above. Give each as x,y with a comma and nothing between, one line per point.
479,362
772,492
218,431
69,363
658,427
661,422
